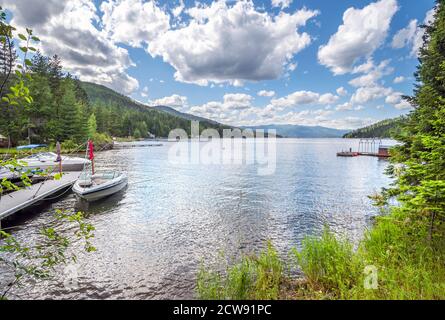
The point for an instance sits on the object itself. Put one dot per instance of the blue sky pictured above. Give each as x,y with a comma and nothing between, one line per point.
340,64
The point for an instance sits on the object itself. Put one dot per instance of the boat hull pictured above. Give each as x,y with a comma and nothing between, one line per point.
92,194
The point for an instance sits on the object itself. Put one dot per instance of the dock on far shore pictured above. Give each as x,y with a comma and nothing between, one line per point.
24,198
368,147
136,144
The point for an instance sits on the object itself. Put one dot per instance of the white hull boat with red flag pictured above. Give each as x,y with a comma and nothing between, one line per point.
93,186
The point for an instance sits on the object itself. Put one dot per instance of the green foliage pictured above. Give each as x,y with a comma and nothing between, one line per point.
137,133
418,165
101,139
328,263
383,129
69,145
92,125
119,116
39,260
255,277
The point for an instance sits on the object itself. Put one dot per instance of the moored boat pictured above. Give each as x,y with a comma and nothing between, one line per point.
48,160
43,162
99,185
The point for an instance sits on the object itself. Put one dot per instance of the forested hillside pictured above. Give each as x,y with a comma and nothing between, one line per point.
64,108
383,129
121,116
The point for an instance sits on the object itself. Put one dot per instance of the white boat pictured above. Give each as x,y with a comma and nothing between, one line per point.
100,185
48,160
43,161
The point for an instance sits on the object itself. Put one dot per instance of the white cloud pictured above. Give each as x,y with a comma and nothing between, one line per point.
232,43
175,101
412,35
362,32
373,73
265,93
281,3
367,94
399,79
237,101
402,105
304,98
395,99
178,9
342,91
327,98
347,106
67,28
144,93
234,109
133,22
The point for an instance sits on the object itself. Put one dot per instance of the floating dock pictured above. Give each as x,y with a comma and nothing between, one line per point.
368,147
24,198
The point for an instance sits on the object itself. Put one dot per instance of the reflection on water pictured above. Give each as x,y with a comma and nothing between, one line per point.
152,236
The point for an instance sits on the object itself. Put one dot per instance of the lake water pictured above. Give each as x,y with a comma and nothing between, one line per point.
152,237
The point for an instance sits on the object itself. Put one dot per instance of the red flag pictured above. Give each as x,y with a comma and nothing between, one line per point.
90,149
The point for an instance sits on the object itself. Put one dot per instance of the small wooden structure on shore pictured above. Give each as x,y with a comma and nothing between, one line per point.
26,197
368,147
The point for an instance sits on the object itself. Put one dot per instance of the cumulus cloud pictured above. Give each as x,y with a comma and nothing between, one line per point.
67,28
175,101
232,43
362,32
395,99
234,109
265,93
299,98
133,22
237,101
342,91
367,94
412,35
372,75
281,3
144,93
399,79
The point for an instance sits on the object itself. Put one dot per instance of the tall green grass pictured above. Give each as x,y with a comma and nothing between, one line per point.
407,264
254,277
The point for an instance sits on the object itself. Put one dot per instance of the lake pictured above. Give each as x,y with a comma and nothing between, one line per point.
152,237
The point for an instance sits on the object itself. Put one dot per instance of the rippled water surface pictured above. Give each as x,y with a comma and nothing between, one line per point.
152,237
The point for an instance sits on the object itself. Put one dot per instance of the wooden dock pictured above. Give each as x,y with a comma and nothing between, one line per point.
26,197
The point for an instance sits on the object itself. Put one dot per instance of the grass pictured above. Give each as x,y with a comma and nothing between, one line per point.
395,255
254,277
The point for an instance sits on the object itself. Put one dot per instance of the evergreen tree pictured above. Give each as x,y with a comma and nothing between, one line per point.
82,127
92,126
67,126
40,64
419,162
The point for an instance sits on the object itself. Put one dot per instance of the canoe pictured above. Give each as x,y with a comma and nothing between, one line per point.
100,185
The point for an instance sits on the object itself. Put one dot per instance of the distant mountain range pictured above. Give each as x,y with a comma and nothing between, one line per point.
99,93
298,131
